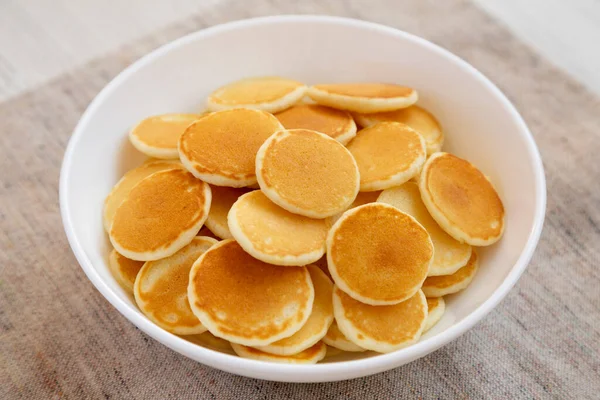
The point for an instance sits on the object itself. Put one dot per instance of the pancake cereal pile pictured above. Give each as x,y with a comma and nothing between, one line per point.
287,223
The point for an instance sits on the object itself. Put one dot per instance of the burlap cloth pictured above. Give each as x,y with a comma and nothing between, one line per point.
59,338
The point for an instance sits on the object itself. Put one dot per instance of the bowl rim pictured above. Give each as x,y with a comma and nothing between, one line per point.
289,372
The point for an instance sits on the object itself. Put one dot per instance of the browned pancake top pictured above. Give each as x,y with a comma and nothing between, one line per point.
318,118
309,171
248,298
380,252
225,143
254,91
163,131
128,182
158,210
384,150
464,196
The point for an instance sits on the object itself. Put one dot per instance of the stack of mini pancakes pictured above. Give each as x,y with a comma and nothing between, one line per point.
271,227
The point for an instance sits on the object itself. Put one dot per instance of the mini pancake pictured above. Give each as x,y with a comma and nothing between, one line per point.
317,324
204,231
336,339
123,269
378,254
436,306
127,182
222,200
307,173
158,136
221,147
246,301
437,286
388,154
462,200
161,214
380,328
312,355
449,254
210,341
336,124
270,93
274,235
416,117
161,289
364,97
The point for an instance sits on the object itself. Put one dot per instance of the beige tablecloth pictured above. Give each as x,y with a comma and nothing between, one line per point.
59,338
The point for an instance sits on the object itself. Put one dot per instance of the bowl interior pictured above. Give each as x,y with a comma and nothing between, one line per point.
478,122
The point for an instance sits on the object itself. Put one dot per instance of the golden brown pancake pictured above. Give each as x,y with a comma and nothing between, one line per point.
123,269
336,124
388,154
437,286
462,200
380,328
221,147
336,339
247,301
210,341
378,254
158,136
416,117
435,310
307,173
312,355
449,254
363,97
127,182
274,235
222,200
160,215
161,289
270,93
317,324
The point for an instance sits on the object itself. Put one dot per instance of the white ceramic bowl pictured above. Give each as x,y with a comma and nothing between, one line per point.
480,125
